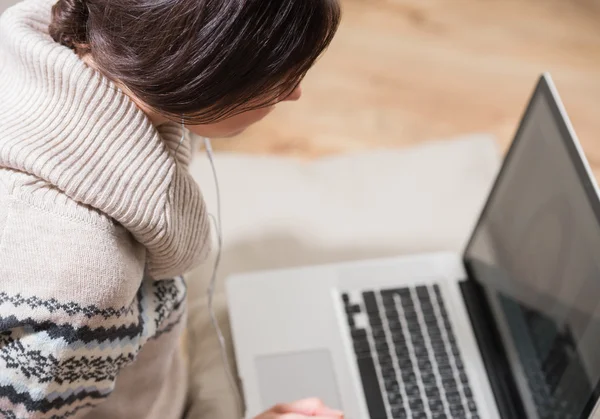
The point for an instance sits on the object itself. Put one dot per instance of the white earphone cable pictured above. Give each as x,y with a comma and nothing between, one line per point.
211,288
182,136
213,279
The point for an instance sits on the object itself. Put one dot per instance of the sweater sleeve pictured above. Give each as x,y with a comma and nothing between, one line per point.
71,309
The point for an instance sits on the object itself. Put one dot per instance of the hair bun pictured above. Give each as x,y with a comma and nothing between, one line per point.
69,23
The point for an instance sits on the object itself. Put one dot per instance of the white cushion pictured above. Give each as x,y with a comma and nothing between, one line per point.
281,212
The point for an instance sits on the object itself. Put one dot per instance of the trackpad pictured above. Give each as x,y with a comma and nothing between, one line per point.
287,377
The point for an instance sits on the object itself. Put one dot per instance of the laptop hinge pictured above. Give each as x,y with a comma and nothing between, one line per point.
510,405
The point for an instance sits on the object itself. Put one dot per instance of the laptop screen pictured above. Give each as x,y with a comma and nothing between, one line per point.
536,252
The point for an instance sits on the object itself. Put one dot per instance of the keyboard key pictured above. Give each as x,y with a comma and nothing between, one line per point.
472,406
384,355
449,383
380,337
394,324
457,411
428,378
398,412
382,347
399,339
454,399
388,373
452,392
408,375
446,370
424,364
352,309
436,405
432,324
395,399
404,293
416,405
391,383
373,393
362,352
370,302
426,308
422,291
409,313
351,322
412,389
359,334
403,356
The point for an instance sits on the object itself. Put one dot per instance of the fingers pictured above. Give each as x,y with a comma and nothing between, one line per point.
307,407
330,413
300,416
313,407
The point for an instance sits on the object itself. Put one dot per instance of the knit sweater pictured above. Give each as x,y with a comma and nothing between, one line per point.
99,218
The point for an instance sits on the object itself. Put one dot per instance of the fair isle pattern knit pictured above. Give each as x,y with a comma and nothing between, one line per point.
99,218
91,355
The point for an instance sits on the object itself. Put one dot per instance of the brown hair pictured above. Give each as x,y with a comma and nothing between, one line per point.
201,59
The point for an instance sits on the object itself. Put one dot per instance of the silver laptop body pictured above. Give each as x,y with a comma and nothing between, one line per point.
508,329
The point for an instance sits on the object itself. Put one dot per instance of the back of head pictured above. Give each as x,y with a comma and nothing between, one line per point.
203,59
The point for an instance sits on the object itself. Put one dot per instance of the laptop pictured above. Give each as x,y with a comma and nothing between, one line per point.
508,329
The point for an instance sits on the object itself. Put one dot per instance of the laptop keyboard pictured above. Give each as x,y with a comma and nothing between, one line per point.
407,356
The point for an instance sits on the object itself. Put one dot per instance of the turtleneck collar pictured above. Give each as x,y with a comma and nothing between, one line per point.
65,123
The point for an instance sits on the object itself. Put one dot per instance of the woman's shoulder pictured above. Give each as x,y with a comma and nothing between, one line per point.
39,197
33,211
46,235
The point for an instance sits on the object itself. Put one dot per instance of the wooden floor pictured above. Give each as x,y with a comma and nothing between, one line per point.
404,71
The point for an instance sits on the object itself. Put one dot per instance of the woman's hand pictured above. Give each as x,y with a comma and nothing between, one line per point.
301,409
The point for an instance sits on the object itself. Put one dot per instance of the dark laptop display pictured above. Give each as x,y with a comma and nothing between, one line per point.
536,254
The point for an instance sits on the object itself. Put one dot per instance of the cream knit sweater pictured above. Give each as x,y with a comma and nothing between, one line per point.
98,220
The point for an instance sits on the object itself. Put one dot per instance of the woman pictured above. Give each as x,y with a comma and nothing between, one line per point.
99,217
